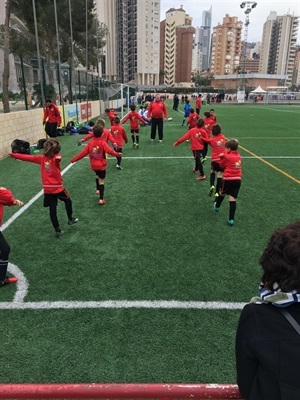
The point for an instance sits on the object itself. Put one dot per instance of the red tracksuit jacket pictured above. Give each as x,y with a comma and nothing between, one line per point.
6,199
134,118
232,164
119,135
196,135
50,170
96,149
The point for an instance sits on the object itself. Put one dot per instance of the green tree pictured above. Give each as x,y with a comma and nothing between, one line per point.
45,15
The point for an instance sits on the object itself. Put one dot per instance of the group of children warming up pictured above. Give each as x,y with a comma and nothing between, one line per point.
226,162
225,174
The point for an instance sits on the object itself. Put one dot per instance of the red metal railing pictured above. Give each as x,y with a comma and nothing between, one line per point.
119,391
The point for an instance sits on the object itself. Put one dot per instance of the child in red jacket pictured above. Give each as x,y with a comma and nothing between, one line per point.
52,181
96,149
231,162
119,136
6,199
192,119
209,122
217,143
134,118
196,136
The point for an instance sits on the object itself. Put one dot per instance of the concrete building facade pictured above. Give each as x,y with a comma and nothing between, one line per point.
132,51
226,46
176,45
278,49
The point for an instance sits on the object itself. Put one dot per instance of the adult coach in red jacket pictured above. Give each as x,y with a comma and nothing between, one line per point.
157,111
52,118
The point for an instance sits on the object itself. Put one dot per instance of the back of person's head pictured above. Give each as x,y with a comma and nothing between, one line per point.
141,107
48,101
97,130
280,260
207,114
211,110
51,147
107,110
200,122
216,130
232,144
192,110
187,101
116,120
101,122
132,107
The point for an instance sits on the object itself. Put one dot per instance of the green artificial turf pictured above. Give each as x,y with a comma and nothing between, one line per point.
157,238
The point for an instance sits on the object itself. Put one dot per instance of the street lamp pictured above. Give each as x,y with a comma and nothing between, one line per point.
248,5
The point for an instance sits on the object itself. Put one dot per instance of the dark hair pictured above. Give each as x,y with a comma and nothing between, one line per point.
212,110
117,119
216,129
91,123
207,114
107,110
48,101
232,144
280,260
200,122
192,110
97,130
51,147
132,107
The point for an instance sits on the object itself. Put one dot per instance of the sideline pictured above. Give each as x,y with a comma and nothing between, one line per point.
117,304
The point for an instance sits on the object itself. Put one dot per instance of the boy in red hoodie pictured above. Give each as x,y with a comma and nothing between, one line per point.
52,181
192,119
196,136
6,199
209,122
134,118
231,161
96,149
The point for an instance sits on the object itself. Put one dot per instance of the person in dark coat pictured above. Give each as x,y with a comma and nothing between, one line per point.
267,345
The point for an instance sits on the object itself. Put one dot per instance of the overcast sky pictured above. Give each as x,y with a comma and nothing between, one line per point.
220,8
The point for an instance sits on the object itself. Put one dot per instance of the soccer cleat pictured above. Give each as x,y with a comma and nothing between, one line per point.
195,170
152,140
203,160
216,195
217,209
72,221
101,202
200,178
118,166
137,145
9,280
134,145
97,191
58,234
160,141
230,222
211,190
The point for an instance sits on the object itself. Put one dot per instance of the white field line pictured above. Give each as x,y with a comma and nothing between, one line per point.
118,304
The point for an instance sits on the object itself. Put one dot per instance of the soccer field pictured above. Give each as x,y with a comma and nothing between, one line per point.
149,287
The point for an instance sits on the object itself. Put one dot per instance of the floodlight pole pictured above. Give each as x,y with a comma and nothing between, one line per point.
248,5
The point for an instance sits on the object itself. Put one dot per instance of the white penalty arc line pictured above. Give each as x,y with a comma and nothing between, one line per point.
121,304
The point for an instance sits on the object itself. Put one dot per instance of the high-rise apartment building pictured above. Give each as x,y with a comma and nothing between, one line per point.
278,48
226,46
204,38
176,44
132,51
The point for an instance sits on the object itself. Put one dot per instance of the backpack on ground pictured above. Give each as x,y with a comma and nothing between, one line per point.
40,143
20,146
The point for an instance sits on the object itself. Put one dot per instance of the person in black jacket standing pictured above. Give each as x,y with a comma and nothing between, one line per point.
267,345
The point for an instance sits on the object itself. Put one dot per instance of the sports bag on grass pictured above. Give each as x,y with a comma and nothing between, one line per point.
20,146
